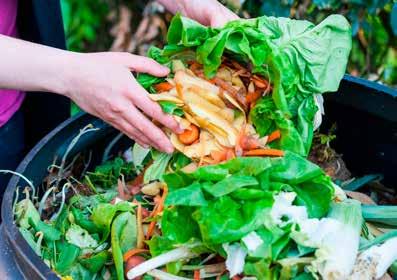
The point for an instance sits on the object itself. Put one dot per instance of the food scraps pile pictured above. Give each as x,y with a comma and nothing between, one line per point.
238,199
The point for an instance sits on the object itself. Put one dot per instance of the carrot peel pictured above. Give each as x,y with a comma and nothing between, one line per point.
196,275
189,135
265,152
164,86
159,207
133,252
274,136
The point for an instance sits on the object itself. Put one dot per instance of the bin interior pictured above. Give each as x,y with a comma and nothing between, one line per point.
366,135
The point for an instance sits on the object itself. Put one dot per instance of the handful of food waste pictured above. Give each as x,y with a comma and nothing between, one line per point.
238,199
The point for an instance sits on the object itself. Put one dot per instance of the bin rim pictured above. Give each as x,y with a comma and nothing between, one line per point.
12,234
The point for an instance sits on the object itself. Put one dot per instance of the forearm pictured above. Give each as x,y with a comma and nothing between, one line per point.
32,67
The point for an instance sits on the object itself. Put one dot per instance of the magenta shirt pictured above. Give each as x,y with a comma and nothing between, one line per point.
10,100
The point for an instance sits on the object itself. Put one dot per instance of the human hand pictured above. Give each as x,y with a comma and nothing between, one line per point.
102,84
207,12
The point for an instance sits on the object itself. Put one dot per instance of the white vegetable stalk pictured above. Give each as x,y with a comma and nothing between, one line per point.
235,258
338,251
282,207
312,232
336,238
374,262
318,117
339,193
252,241
163,259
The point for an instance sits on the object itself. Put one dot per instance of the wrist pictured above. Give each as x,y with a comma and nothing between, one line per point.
64,73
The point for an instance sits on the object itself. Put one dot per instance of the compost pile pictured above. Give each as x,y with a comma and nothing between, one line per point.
238,199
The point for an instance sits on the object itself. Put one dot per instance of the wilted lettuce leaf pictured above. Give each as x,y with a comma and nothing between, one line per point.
104,213
80,237
299,58
123,238
157,168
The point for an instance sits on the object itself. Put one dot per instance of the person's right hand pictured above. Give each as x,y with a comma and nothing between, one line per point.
102,84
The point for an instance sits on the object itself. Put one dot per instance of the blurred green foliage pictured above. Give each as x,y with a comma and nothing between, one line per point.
374,29
83,22
374,26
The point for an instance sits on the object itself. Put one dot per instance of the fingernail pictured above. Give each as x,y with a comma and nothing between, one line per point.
180,129
166,69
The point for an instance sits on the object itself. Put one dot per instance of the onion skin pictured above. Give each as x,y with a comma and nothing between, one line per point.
133,262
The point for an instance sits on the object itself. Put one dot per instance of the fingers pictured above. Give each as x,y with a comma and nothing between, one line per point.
155,135
222,16
140,98
147,65
140,63
132,133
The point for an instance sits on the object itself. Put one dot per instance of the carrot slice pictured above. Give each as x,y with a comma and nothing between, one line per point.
218,156
163,86
274,136
161,203
179,90
249,143
140,235
230,154
158,208
196,275
238,147
133,252
189,135
251,97
195,66
265,152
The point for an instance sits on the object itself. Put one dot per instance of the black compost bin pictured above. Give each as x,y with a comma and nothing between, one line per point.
365,114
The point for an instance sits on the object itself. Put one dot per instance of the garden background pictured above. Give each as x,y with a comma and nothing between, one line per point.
135,25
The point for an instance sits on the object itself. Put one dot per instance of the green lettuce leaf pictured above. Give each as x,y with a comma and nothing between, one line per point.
230,184
189,196
80,237
299,58
95,262
171,223
226,220
157,168
171,108
123,238
313,188
104,213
